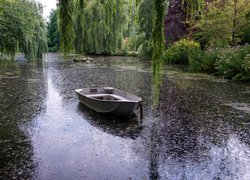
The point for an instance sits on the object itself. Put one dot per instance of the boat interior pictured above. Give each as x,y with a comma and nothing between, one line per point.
110,97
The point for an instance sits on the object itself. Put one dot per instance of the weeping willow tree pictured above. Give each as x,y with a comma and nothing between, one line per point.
35,40
145,27
94,26
158,45
192,8
22,29
104,24
53,35
66,8
79,26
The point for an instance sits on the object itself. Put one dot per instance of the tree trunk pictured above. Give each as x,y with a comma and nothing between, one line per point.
174,25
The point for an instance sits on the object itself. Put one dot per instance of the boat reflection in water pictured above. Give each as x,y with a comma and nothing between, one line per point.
125,128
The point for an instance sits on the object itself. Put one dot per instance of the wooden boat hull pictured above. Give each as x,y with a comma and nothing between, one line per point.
117,102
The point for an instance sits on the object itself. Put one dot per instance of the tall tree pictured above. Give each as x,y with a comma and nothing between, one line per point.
104,24
98,25
66,8
222,22
179,18
146,18
22,28
240,8
53,32
158,45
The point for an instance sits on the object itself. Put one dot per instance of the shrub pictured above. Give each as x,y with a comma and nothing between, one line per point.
246,66
179,52
203,61
231,63
234,63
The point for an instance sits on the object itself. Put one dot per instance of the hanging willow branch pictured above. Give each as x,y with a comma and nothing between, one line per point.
22,28
158,45
192,7
104,24
66,25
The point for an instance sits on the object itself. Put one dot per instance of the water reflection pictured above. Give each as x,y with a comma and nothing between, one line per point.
21,100
193,138
196,132
68,138
119,127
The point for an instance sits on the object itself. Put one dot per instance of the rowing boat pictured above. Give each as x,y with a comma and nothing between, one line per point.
109,100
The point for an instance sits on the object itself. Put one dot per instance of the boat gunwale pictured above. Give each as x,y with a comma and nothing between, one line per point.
106,100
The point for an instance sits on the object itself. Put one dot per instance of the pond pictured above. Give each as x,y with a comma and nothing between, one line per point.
199,130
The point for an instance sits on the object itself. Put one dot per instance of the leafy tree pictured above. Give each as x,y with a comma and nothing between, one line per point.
158,45
66,8
104,24
192,8
244,35
53,32
79,26
180,17
146,26
22,27
221,23
97,25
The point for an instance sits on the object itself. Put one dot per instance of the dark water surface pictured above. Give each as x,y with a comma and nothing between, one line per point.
200,130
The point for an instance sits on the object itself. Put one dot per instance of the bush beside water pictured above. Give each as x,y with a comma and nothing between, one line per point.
230,63
179,52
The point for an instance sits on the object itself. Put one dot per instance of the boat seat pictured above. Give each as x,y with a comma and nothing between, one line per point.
111,97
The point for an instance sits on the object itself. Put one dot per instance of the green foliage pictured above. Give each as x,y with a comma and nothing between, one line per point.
233,63
145,27
22,27
203,61
180,51
96,26
104,24
66,25
192,8
245,34
133,16
246,66
158,42
53,32
79,26
222,22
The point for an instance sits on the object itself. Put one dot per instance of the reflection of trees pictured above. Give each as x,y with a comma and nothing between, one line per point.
188,127
110,124
21,100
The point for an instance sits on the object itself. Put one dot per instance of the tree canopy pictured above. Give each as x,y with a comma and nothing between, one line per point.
53,32
94,27
22,28
223,22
